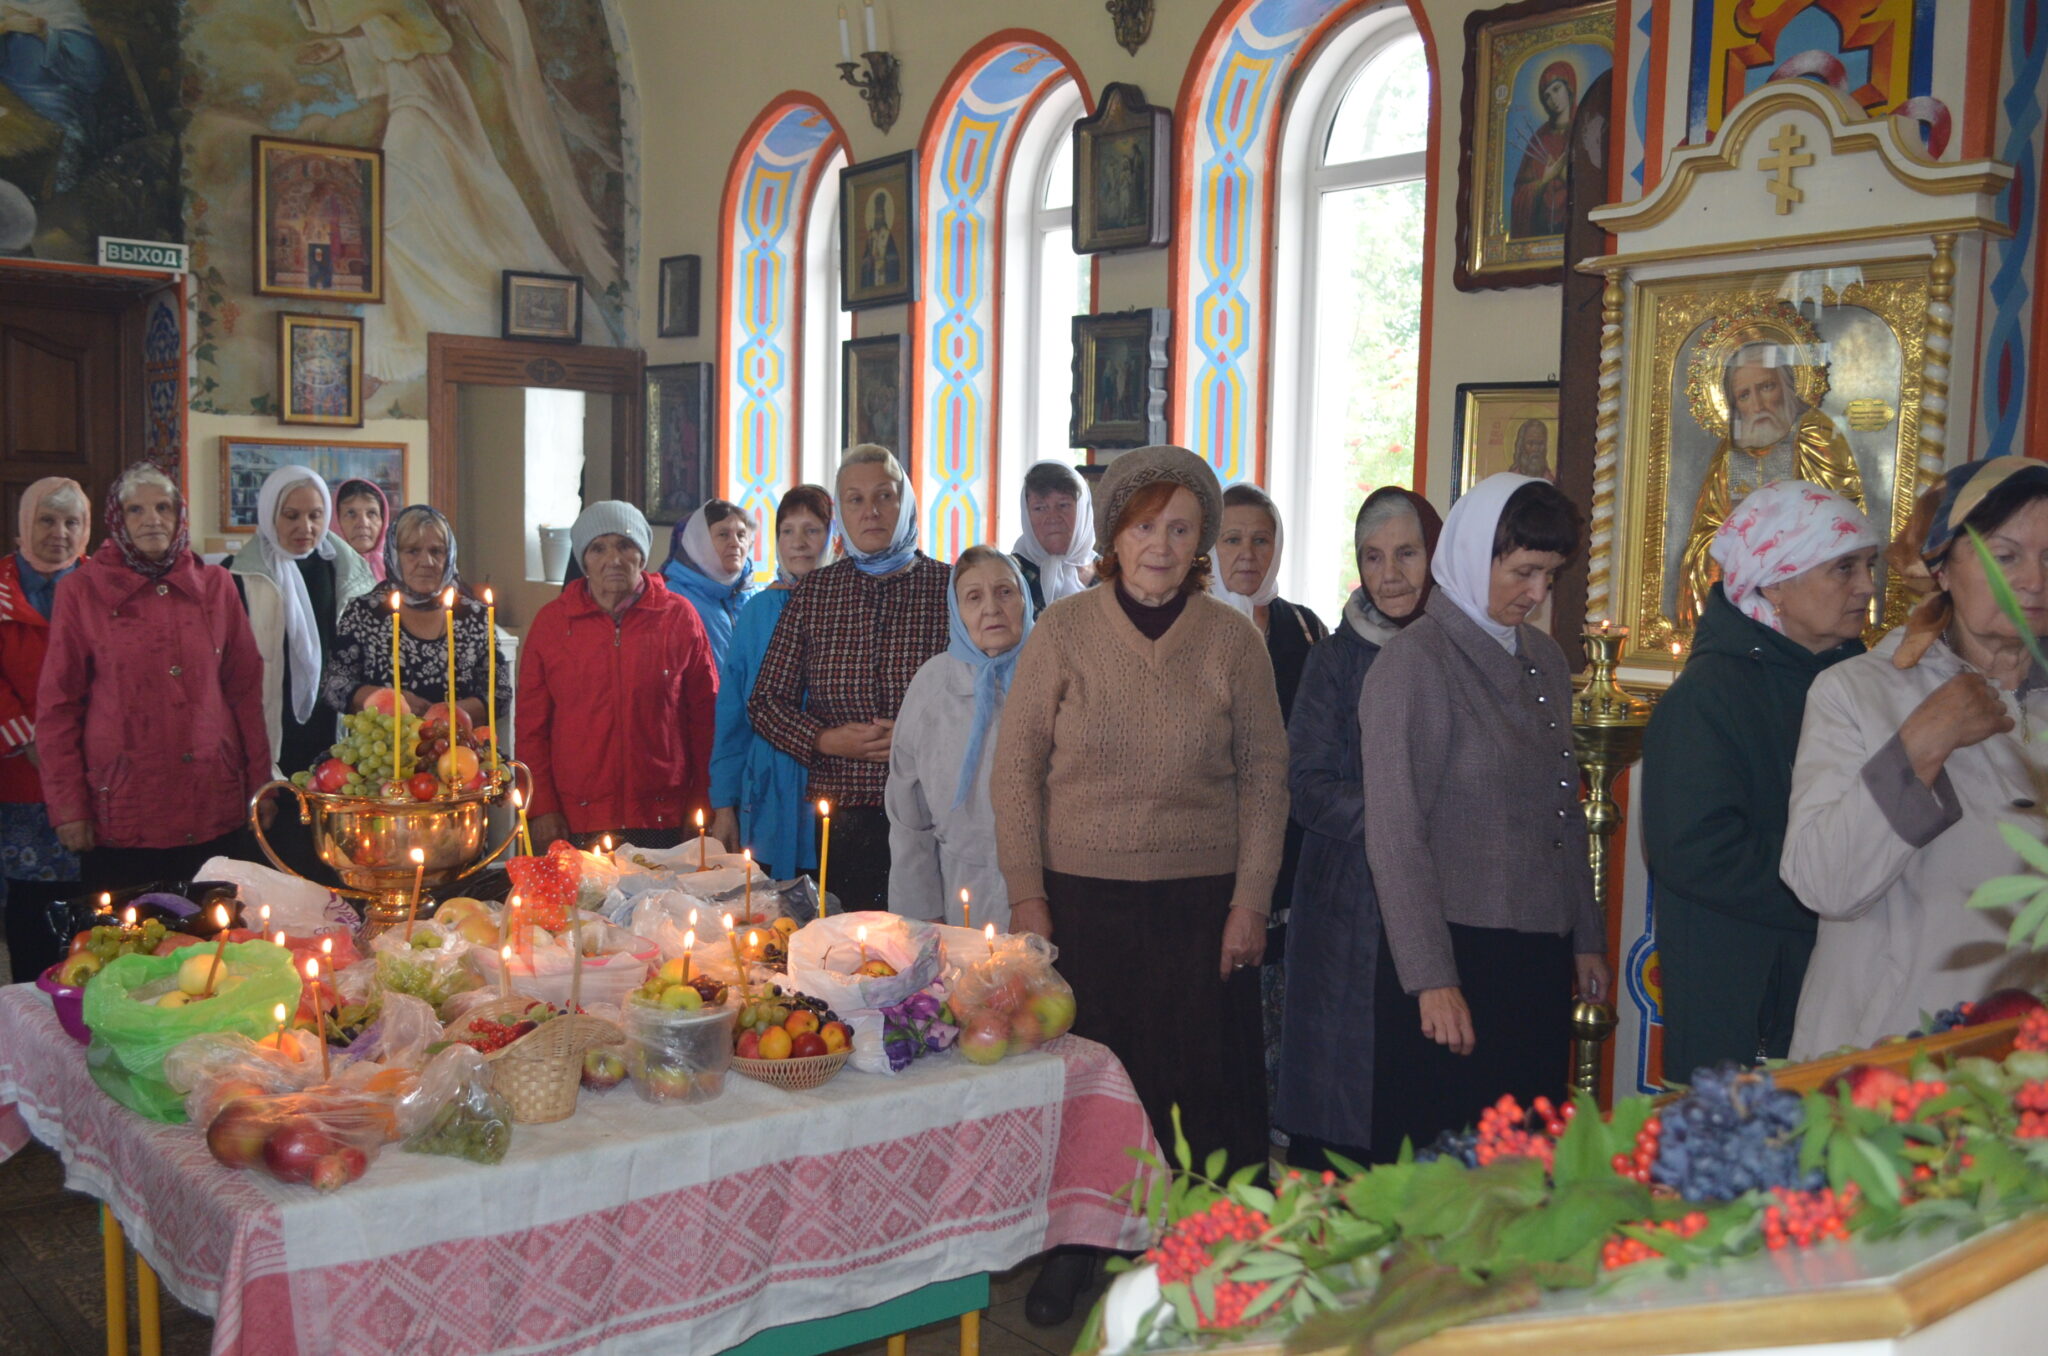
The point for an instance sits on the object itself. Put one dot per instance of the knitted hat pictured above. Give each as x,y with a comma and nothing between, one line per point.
607,516
1143,466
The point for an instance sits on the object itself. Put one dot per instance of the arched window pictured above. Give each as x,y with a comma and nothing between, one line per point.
1350,260
1045,285
826,329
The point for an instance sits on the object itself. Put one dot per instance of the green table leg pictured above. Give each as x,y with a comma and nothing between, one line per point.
963,1299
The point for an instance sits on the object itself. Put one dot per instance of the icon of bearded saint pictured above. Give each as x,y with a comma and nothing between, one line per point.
1771,434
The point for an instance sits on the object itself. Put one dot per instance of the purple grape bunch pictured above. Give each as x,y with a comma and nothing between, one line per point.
1734,1131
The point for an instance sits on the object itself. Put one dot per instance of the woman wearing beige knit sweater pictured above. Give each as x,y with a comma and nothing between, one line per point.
1142,775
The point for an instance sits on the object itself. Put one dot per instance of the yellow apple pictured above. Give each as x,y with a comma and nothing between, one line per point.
176,998
197,972
478,928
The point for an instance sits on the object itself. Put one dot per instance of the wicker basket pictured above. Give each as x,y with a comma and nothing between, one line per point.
794,1074
538,1075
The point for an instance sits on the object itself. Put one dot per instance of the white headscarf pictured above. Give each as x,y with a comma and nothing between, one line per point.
1463,563
301,632
1269,587
1784,529
1060,576
702,554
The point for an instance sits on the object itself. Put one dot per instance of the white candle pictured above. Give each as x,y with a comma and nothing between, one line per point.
505,971
845,41
966,909
867,27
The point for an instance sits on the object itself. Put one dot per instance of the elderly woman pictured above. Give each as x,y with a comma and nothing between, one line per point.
151,700
708,565
1248,578
1056,550
853,636
361,515
616,694
54,526
942,824
757,788
1913,761
1473,827
1733,939
1333,930
419,566
295,579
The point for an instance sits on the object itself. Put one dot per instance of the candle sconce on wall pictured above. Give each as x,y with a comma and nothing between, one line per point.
1133,20
880,88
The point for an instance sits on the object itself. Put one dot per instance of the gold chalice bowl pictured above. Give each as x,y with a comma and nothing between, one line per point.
369,841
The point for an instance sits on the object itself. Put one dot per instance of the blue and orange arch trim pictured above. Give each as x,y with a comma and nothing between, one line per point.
769,186
965,151
1228,117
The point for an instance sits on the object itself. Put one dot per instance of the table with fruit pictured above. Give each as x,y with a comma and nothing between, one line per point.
355,1124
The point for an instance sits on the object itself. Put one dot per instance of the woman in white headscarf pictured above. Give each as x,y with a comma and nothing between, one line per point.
1056,550
1797,563
1473,828
710,565
295,577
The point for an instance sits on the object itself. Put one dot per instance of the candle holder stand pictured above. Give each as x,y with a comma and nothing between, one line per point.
880,88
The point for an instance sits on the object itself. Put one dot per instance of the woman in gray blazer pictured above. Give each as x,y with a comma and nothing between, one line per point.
1473,828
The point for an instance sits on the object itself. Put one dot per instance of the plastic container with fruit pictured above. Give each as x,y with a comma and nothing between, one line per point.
676,1051
614,963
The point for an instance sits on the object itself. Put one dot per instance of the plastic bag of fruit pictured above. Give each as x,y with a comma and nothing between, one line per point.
428,967
219,1067
136,1022
453,1110
297,905
860,964
398,1036
1012,1000
614,963
325,1137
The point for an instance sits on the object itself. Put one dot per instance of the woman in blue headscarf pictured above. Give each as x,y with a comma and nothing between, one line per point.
708,565
942,824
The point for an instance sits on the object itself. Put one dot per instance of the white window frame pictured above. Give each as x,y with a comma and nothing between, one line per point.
1318,94
824,330
1022,436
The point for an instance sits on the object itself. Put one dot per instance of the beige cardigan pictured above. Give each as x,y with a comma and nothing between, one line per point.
1130,759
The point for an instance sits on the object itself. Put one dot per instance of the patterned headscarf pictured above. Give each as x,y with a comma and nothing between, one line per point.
1938,516
1784,529
117,524
421,514
356,489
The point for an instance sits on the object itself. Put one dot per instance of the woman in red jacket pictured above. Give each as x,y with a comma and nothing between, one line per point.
616,694
55,524
151,731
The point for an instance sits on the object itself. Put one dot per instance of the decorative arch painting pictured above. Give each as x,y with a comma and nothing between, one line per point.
1881,52
772,179
955,316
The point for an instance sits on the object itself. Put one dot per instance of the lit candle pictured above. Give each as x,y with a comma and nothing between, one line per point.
966,909
845,39
491,681
106,902
525,834
988,934
518,924
689,946
128,917
824,849
606,844
220,946
280,939
280,1014
860,937
319,1013
505,971
867,27
700,840
1674,649
397,719
753,943
693,918
739,963
263,917
327,949
419,875
747,897
448,608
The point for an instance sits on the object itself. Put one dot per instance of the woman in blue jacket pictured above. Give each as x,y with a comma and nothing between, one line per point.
708,566
757,790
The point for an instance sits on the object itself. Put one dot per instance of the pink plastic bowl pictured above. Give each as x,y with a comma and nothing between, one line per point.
69,1000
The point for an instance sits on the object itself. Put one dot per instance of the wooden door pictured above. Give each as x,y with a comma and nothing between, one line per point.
71,400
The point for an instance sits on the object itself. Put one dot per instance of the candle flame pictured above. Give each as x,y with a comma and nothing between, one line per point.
693,918
220,916
419,856
106,901
518,800
747,855
312,968
505,953
990,933
1674,649
607,843
263,912
280,939
397,600
963,894
128,917
728,922
448,598
860,934
700,819
690,940
753,937
279,1013
326,946
825,808
490,599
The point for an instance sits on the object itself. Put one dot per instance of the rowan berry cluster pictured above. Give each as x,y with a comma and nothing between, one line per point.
1624,1251
2032,1101
1190,1246
1882,1089
2033,1032
1636,1166
1504,1132
1808,1217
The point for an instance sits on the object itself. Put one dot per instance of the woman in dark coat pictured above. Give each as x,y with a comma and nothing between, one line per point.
1733,941
1333,933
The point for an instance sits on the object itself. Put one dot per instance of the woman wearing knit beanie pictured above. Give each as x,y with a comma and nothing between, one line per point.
1142,771
616,694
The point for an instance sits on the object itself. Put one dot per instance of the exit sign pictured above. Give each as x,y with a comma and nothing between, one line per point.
154,254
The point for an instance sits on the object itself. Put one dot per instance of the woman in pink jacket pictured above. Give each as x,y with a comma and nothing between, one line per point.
151,729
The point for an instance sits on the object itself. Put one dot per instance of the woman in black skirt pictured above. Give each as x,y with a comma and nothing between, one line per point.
1473,828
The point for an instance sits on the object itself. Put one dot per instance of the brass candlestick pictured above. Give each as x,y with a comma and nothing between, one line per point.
1607,736
880,87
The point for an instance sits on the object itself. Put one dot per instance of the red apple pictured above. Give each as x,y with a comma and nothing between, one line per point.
237,1135
748,1046
423,786
339,1168
384,702
985,1041
808,1044
295,1150
1998,1006
439,712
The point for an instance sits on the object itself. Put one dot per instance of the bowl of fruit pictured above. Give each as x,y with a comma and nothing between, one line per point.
678,1036
394,785
789,1039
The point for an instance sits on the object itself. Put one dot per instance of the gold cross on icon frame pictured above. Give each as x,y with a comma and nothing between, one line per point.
1781,166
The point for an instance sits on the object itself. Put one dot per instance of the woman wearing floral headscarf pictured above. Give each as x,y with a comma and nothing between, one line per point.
853,636
1797,576
942,823
55,524
419,566
150,706
708,566
1915,760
